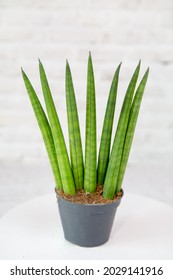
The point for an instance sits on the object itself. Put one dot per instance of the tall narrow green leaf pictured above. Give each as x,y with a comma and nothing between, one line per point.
74,132
60,147
105,142
116,153
131,129
90,143
44,128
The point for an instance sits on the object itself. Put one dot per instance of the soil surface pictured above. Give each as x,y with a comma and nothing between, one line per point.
90,198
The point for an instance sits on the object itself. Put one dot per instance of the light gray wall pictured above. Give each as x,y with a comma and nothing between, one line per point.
113,31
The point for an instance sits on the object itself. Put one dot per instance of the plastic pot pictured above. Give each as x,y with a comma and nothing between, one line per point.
87,225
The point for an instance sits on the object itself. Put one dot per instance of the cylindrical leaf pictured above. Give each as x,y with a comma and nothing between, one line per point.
105,142
74,132
60,147
90,143
116,153
44,128
131,129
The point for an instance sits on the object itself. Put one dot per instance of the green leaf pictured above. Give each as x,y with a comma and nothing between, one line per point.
74,132
105,142
44,128
117,149
131,129
60,147
90,143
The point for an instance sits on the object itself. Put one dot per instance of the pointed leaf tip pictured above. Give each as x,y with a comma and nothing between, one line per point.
90,57
67,64
23,73
146,73
119,66
39,61
139,63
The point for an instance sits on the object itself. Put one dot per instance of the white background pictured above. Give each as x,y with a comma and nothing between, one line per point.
113,31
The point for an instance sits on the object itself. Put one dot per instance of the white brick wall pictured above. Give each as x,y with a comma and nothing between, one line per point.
114,31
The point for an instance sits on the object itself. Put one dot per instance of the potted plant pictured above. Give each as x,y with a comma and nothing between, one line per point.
88,191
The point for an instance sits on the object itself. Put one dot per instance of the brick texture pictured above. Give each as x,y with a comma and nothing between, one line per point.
113,31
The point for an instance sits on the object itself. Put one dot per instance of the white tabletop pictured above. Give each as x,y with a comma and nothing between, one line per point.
143,229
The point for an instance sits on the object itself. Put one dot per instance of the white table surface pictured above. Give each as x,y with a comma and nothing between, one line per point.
143,229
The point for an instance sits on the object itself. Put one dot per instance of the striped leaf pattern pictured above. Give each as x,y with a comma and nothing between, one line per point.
117,149
60,147
105,142
74,132
45,129
131,129
90,143
111,166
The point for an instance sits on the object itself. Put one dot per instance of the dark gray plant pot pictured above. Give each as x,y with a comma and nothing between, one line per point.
87,225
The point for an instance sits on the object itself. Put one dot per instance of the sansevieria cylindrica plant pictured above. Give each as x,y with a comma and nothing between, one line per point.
85,171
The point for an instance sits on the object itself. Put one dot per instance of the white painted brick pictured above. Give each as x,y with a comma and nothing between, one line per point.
88,4
113,31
